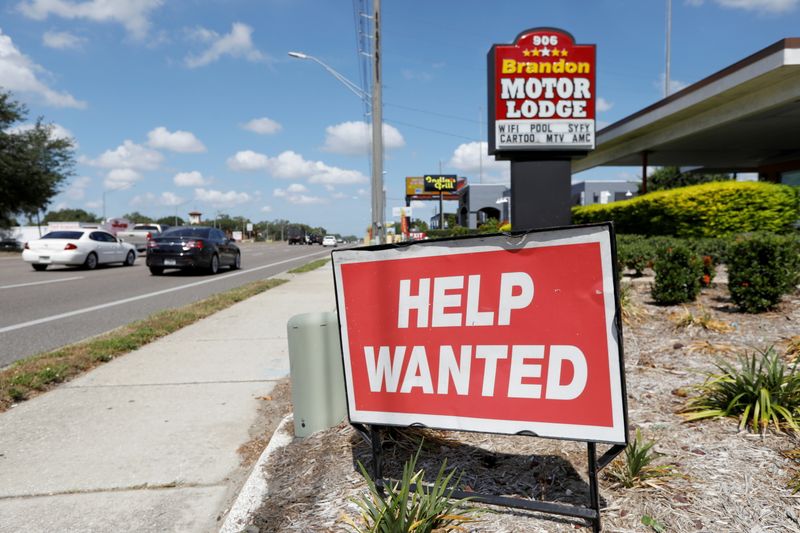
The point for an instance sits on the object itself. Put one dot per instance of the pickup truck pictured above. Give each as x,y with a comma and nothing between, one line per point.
140,234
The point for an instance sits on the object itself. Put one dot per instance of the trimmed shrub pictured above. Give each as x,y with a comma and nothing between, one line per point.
761,269
708,210
678,273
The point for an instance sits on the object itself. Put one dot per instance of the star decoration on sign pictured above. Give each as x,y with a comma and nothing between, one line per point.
556,52
545,52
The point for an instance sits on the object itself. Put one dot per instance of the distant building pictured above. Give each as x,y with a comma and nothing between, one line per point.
603,192
194,217
478,202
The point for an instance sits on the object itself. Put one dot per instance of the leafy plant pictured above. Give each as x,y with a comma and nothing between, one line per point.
656,526
637,468
761,269
410,506
631,311
760,391
678,272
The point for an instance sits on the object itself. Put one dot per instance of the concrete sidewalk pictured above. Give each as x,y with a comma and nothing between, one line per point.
148,441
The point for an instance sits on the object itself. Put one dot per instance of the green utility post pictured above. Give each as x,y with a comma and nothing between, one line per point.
315,361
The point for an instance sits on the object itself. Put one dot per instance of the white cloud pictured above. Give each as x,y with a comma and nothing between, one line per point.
302,199
129,155
248,160
57,131
473,159
170,199
62,40
355,138
94,204
237,43
77,188
133,15
266,209
293,195
674,85
296,188
220,198
119,179
603,105
292,166
18,73
189,179
338,195
263,126
177,141
762,6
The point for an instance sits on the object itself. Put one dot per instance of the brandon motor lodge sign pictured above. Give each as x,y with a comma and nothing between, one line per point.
494,334
541,93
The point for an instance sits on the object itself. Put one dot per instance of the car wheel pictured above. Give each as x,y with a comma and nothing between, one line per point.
237,262
130,259
156,271
39,268
91,261
213,266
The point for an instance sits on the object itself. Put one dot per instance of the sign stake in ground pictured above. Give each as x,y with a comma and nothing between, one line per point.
509,334
541,91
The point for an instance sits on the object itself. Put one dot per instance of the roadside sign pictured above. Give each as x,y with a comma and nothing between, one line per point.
493,333
438,183
542,93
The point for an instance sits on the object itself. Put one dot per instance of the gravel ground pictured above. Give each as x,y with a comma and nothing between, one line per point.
722,479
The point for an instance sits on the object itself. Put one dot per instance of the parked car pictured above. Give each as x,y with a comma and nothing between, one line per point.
329,240
87,247
140,234
194,247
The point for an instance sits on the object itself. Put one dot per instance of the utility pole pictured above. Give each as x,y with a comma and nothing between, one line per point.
669,32
378,217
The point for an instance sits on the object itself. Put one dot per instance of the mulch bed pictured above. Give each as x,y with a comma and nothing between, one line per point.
722,479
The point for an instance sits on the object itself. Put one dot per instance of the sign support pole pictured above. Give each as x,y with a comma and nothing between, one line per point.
541,193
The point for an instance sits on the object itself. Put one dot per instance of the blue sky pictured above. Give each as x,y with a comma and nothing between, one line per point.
195,104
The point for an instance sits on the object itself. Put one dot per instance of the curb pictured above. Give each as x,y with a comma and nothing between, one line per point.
256,488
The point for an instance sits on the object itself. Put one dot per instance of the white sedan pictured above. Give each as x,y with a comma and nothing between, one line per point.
87,247
329,240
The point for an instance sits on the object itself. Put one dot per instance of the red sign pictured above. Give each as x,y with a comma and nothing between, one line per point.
493,334
542,93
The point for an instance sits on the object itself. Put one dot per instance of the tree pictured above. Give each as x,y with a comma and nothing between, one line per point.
70,215
33,163
171,221
137,218
671,178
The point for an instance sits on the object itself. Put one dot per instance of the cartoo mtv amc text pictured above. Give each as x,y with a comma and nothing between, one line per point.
485,339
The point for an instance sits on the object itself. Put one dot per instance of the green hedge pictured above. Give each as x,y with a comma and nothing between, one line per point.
708,210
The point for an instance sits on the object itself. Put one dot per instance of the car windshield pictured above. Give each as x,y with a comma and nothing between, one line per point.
187,232
63,235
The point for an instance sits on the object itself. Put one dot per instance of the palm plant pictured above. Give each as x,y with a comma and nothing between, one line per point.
637,468
760,391
410,506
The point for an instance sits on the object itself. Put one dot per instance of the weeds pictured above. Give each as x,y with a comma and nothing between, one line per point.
760,391
410,506
703,319
308,267
637,468
631,311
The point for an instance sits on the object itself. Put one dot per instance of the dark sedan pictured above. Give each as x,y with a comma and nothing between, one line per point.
192,247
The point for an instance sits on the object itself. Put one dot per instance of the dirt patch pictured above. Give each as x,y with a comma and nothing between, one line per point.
274,408
725,480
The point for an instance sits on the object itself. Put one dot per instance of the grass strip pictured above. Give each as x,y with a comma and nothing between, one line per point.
308,267
33,375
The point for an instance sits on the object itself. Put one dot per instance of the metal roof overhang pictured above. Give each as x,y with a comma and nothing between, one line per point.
742,118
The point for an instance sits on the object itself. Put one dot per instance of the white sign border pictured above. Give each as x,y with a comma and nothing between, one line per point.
601,234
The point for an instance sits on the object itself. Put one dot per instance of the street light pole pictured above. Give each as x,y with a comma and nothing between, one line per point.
378,222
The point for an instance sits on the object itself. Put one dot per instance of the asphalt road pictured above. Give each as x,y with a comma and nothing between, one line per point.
41,311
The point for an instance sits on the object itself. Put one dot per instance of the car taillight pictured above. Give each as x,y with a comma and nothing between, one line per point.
149,235
152,244
193,244
71,246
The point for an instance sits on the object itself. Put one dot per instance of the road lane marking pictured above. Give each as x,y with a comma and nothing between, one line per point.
39,282
148,295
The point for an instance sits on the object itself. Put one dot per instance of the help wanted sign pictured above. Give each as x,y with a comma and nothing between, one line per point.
499,334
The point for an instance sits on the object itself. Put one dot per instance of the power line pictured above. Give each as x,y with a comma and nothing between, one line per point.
440,132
